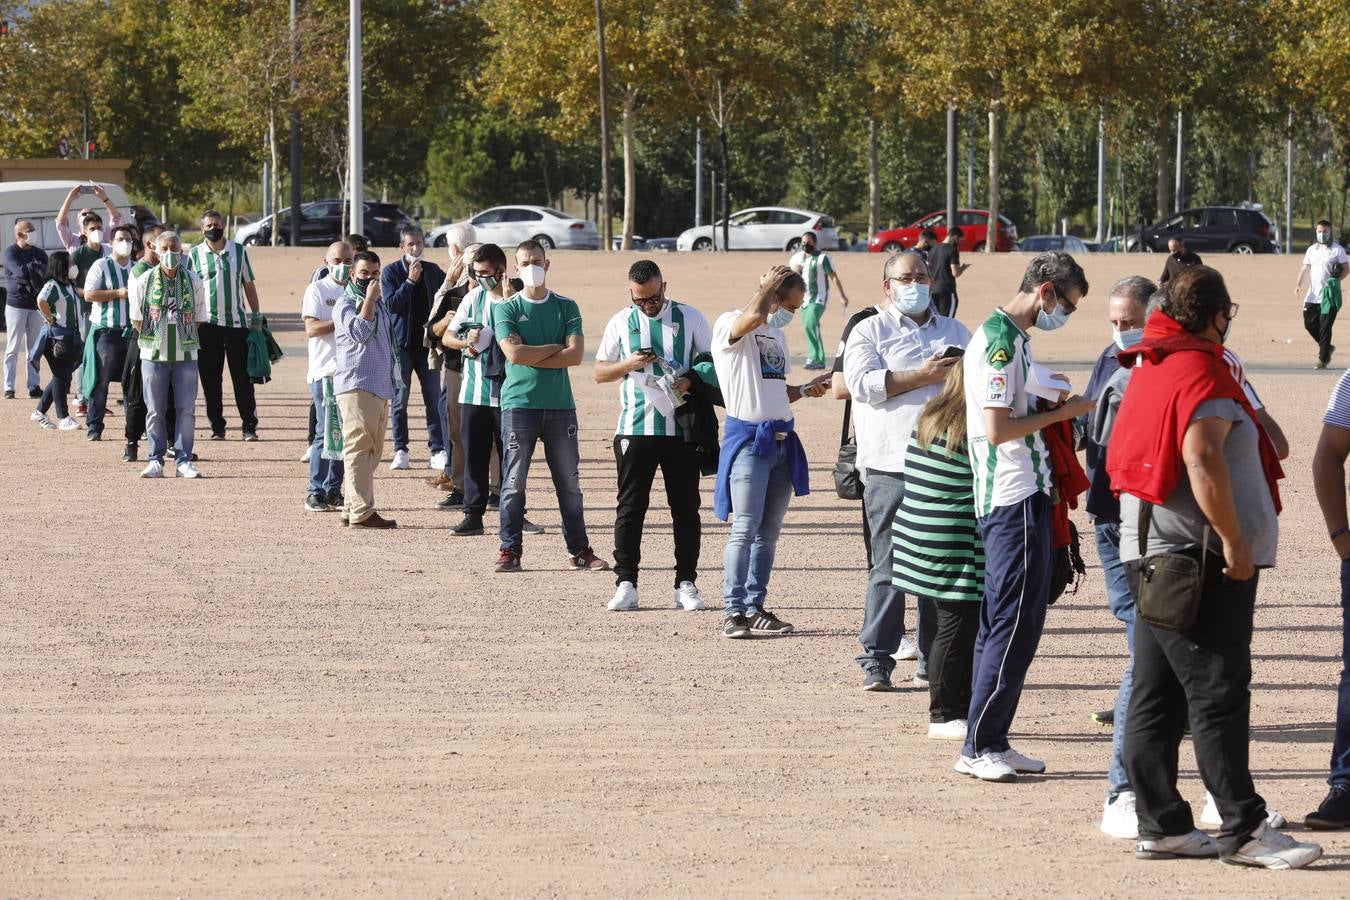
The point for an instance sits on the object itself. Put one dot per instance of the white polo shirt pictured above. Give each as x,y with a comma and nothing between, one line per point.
1319,259
320,298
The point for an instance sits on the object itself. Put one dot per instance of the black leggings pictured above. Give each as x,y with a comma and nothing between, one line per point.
57,388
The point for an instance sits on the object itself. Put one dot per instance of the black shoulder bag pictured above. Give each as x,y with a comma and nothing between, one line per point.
1170,584
847,482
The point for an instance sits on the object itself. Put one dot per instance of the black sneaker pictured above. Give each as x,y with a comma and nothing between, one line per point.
765,622
877,680
469,526
453,500
494,501
34,394
94,436
1334,813
335,500
129,452
530,528
217,435
9,395
250,436
735,626
1106,718
316,502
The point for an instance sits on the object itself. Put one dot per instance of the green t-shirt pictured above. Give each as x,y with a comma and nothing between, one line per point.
84,258
547,321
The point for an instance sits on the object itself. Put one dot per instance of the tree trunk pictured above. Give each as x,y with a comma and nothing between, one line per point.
607,196
873,178
630,96
726,169
991,240
276,175
1162,134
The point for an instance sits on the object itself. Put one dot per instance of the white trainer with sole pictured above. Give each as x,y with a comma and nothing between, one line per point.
1193,845
687,596
625,597
1211,818
1273,849
907,650
986,767
400,460
155,469
1023,763
955,730
1119,819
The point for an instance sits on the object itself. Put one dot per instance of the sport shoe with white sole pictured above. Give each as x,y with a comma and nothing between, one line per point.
955,730
625,597
1271,849
400,460
687,596
908,649
309,454
68,424
42,420
187,470
155,469
1023,763
986,767
735,626
1119,819
1211,818
1194,844
766,623
438,460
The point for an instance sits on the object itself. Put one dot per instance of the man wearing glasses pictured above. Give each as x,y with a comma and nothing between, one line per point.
1013,487
648,348
894,363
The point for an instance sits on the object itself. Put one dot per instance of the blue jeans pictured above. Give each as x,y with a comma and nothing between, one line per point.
111,349
884,610
325,475
157,376
410,362
557,429
1340,747
1120,597
761,487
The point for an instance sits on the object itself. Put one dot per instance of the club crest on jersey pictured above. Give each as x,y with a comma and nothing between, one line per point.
998,387
623,446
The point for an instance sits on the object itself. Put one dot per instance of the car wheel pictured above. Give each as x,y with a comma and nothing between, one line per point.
440,241
545,241
251,240
794,245
893,247
1243,248
979,248
703,245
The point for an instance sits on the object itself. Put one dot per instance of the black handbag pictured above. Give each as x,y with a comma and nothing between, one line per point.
1170,584
848,482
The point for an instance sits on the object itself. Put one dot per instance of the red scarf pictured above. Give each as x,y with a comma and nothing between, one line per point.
1183,371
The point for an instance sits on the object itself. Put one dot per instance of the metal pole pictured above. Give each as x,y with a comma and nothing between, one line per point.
357,201
1180,200
607,214
951,164
1101,177
295,123
1289,188
698,177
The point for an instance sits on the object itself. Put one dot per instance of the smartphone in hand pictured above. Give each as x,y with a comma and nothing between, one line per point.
87,188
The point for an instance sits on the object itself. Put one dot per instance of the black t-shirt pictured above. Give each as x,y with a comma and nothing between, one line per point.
940,261
859,316
1175,264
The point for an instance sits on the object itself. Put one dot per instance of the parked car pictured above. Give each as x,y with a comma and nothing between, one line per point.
764,228
974,224
1042,243
639,242
509,225
1213,229
321,225
662,243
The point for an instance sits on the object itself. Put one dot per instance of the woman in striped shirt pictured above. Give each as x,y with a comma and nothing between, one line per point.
938,554
60,306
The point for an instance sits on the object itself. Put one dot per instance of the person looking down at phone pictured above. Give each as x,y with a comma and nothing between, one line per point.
894,363
762,463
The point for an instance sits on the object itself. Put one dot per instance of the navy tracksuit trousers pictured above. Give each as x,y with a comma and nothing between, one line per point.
1016,591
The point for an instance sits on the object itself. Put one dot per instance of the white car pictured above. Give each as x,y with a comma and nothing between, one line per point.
764,228
507,226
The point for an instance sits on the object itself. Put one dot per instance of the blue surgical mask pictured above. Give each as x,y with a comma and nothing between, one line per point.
911,299
1128,338
1050,321
780,317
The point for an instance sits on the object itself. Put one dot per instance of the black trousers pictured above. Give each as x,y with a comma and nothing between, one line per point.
945,303
219,344
1204,671
951,659
1318,327
638,458
133,392
480,430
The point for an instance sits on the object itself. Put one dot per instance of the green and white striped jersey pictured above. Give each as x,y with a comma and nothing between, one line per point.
223,276
676,336
107,275
997,361
63,301
815,269
475,388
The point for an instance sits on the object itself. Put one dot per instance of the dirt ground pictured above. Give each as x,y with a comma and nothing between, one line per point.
210,691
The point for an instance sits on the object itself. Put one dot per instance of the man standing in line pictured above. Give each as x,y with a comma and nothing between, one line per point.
325,473
106,289
457,284
1323,261
85,250
224,269
817,270
894,363
540,336
25,273
647,348
408,284
1013,486
1178,260
944,267
133,385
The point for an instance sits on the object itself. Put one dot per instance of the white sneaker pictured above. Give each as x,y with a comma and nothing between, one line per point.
400,460
42,420
986,767
187,470
625,597
955,730
154,470
1273,849
68,424
309,454
1192,845
1211,817
37,416
908,649
688,597
1023,763
438,460
1119,819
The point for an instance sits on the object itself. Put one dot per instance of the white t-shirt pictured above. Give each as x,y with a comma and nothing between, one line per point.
320,298
752,371
676,336
1319,259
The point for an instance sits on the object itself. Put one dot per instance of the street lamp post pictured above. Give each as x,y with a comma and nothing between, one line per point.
354,197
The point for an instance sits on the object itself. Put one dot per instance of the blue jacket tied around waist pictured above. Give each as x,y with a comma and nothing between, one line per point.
762,438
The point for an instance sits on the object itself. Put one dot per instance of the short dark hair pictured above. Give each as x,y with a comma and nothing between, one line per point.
956,232
811,235
365,256
410,230
358,242
1194,296
643,271
128,230
928,234
212,214
152,230
531,245
1324,223
491,254
58,264
90,218
1056,267
793,282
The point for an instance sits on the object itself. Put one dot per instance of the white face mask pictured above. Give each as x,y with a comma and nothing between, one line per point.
72,271
31,237
94,237
910,299
412,259
780,317
532,276
122,248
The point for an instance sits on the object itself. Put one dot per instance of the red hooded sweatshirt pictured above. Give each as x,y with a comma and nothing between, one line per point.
1181,372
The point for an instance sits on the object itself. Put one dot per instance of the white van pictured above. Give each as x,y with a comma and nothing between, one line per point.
39,202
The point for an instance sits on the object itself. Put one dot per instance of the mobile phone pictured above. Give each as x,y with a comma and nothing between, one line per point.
647,351
952,352
86,189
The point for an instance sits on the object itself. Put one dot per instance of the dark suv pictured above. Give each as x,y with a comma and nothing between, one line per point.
1213,229
320,224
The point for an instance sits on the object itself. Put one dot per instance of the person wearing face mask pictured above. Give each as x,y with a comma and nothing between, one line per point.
762,463
894,363
60,306
1325,267
1198,476
1014,483
325,461
1178,260
106,288
459,245
25,274
133,385
409,283
86,249
817,270
654,338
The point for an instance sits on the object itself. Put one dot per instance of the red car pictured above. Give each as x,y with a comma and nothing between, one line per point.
974,224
